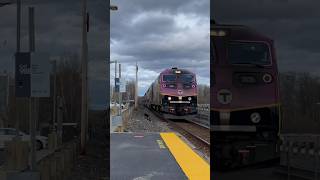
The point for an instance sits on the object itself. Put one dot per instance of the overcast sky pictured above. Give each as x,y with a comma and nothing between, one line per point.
293,24
58,32
159,35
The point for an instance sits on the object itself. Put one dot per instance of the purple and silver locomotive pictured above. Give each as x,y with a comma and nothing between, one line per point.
174,92
245,106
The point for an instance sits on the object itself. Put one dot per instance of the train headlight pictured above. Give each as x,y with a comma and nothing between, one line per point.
189,98
267,78
169,98
219,33
180,98
255,117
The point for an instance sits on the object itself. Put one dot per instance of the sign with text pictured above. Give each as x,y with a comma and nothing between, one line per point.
22,74
122,85
40,75
116,84
32,75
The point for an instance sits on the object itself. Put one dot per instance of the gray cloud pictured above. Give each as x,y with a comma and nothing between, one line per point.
293,24
160,35
58,32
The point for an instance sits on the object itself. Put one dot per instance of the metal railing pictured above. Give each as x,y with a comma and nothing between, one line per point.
300,155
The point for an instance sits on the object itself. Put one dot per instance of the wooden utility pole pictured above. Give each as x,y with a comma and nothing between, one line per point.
84,64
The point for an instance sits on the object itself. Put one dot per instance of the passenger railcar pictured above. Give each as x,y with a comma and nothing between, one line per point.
244,96
174,92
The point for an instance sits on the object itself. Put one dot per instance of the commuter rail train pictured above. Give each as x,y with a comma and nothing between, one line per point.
173,93
245,104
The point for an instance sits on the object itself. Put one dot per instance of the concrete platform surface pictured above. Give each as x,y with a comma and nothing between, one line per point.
155,156
139,156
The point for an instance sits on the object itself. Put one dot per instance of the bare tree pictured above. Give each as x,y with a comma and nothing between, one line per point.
203,94
300,93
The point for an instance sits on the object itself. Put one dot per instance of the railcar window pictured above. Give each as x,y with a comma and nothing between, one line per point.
248,53
11,132
2,132
169,78
186,78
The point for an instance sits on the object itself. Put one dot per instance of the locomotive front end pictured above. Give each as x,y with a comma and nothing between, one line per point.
178,89
245,96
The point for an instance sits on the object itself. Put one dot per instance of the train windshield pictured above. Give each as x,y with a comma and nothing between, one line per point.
186,78
169,78
249,53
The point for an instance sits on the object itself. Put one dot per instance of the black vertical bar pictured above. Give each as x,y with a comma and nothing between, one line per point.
31,30
18,24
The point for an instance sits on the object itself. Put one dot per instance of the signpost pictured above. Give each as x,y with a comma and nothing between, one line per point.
32,81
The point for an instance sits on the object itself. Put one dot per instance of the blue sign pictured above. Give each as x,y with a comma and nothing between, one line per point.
32,75
117,84
22,74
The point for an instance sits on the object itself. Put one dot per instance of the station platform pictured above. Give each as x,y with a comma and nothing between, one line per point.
155,156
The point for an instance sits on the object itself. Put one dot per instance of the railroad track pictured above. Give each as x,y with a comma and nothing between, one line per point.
195,129
203,138
200,122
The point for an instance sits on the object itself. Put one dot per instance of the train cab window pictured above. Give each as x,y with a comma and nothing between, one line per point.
256,53
169,78
186,78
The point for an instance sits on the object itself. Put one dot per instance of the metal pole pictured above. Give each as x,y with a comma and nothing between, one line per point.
115,76
31,99
54,96
16,104
136,89
59,120
115,67
84,78
32,135
120,94
18,24
31,30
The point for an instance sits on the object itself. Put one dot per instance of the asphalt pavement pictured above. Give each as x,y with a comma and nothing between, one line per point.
266,173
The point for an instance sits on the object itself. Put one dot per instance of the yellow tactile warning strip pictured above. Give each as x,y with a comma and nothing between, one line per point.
190,162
